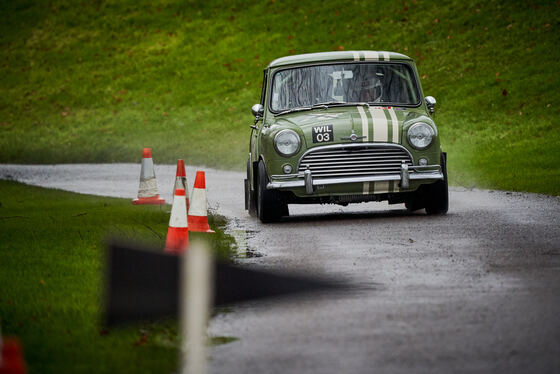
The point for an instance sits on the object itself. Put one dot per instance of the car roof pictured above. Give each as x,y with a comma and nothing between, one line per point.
338,56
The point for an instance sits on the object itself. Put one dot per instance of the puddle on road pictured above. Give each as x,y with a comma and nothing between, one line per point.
243,250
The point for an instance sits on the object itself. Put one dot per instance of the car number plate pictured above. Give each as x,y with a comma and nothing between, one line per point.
323,134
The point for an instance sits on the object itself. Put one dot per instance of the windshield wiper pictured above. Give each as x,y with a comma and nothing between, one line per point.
326,104
294,110
314,106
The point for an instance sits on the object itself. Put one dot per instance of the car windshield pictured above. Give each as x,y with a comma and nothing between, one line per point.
383,83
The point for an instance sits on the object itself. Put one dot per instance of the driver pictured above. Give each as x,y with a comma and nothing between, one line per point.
371,91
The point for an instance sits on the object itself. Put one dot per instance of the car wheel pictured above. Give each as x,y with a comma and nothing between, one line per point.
437,197
250,198
270,206
413,204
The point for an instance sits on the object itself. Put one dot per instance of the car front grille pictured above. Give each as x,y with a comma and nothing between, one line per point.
354,160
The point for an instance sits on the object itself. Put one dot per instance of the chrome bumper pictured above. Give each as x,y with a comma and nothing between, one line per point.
407,173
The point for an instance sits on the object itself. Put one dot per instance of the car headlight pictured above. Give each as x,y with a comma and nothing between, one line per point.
287,142
420,135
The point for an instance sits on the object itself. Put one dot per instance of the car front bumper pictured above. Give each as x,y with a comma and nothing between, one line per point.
428,173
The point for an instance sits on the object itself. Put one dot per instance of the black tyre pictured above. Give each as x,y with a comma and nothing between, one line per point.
413,204
250,196
437,195
270,206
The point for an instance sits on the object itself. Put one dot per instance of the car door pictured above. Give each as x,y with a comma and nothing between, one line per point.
256,127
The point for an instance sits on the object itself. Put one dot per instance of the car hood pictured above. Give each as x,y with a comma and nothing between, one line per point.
373,124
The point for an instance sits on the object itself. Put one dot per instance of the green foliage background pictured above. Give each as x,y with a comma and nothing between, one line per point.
95,81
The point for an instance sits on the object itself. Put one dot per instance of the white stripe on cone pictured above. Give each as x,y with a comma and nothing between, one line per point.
148,184
147,171
198,203
148,188
179,212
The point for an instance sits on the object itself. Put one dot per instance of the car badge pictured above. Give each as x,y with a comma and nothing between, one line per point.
353,137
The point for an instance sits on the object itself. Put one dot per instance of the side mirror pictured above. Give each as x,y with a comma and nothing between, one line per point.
257,110
430,103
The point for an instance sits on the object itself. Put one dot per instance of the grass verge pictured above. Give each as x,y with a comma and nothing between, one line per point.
98,81
51,264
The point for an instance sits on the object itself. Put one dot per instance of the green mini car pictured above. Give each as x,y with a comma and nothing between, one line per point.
344,127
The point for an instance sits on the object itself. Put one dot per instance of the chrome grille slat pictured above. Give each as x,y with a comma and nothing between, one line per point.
351,170
349,154
360,165
359,160
349,174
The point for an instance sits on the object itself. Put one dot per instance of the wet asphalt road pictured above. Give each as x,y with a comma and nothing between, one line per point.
477,290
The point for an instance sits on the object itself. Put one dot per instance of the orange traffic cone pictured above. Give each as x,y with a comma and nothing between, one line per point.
181,180
178,233
148,190
198,214
11,360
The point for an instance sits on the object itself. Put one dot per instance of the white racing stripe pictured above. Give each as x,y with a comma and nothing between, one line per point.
366,188
386,56
381,187
356,56
198,203
395,125
380,129
371,56
365,126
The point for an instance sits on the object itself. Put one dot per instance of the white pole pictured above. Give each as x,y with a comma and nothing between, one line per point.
196,298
